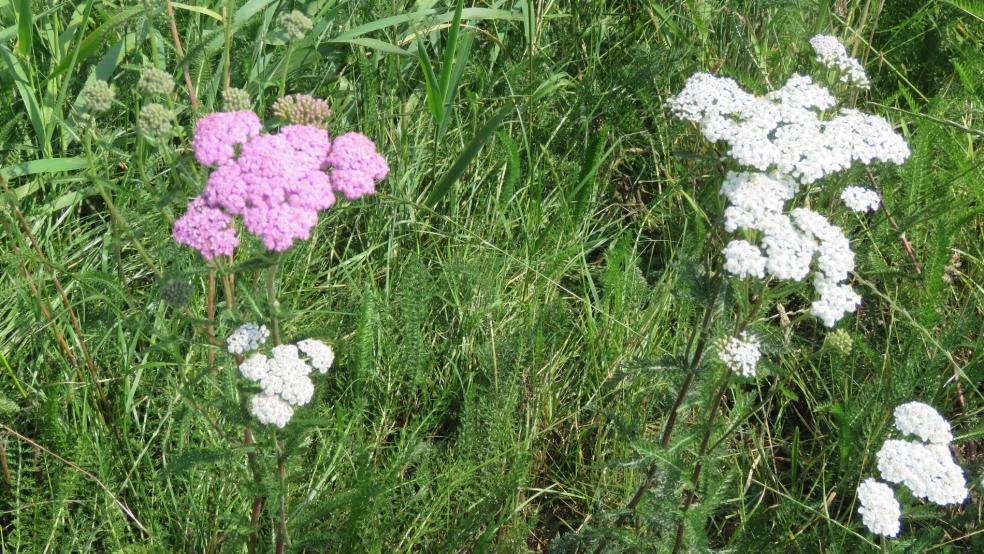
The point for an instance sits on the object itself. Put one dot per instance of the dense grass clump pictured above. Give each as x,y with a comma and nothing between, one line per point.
513,313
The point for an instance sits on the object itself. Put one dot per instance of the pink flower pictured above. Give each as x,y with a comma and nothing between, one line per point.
356,166
217,134
206,229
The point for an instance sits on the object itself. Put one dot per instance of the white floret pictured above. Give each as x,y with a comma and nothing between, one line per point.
255,368
246,338
927,470
860,199
923,421
320,354
831,53
741,354
879,510
744,259
270,409
835,301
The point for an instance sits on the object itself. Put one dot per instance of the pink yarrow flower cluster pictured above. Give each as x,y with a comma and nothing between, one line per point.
277,182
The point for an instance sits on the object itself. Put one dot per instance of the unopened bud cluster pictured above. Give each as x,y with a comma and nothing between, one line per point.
296,25
155,82
97,96
302,109
155,120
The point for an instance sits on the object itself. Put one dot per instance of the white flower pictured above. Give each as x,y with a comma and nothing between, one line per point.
270,409
860,199
744,259
831,53
784,130
248,337
835,301
923,421
741,354
879,510
928,470
255,368
320,354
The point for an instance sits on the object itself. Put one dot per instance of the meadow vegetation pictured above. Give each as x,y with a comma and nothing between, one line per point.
512,313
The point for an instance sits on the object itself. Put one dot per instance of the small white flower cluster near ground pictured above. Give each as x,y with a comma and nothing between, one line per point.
879,510
860,199
284,376
926,467
831,53
789,137
741,354
246,338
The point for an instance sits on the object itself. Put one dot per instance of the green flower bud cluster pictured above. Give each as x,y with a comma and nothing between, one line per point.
176,292
302,109
97,96
236,100
154,81
296,24
841,341
155,120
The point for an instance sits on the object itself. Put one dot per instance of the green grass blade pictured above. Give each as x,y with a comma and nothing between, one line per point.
468,154
25,26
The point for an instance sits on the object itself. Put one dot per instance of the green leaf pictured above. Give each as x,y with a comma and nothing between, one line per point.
25,89
468,154
373,44
95,40
25,26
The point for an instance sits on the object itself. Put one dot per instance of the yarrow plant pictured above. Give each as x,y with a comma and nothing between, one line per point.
925,466
778,149
272,184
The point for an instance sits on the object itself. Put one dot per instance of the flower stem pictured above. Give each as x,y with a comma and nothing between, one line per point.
281,540
689,496
271,286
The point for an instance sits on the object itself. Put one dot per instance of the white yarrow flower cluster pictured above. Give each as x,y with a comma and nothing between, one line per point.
927,468
879,510
791,242
787,130
248,337
320,354
741,354
860,199
923,421
832,54
284,378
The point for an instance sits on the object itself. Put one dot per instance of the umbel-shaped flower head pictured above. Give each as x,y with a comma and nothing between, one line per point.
276,182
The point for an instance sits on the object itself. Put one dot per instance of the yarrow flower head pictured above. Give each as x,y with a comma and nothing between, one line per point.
155,120
157,82
879,510
271,410
284,377
741,354
279,182
744,259
236,100
927,470
296,24
97,96
784,131
841,341
302,109
320,354
860,199
356,165
218,134
206,229
246,338
832,54
923,421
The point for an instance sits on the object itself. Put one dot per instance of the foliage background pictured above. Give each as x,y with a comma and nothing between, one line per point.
507,345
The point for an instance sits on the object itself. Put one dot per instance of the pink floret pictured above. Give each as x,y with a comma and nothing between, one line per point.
206,229
311,144
356,165
217,134
280,225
